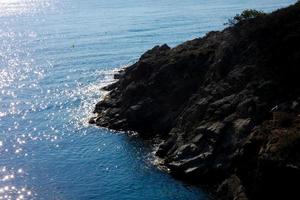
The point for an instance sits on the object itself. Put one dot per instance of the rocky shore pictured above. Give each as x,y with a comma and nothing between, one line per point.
226,107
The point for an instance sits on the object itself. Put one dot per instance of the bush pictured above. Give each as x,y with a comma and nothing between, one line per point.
245,15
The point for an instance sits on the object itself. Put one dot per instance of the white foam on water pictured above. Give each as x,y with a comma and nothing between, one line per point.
89,95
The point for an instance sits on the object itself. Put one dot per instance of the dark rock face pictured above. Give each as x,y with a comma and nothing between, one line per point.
209,99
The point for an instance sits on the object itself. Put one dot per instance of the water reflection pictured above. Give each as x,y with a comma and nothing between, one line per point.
21,7
7,188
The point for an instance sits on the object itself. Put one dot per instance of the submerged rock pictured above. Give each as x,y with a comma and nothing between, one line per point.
209,100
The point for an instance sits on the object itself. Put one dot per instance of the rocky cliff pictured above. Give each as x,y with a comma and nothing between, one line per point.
226,107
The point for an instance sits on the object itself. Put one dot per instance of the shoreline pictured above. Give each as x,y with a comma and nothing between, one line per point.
211,101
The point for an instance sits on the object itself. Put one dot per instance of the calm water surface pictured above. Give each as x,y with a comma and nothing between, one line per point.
54,57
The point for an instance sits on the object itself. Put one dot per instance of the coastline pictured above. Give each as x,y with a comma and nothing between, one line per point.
211,102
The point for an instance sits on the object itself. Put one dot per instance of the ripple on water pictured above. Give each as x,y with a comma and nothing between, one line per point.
72,104
23,7
8,190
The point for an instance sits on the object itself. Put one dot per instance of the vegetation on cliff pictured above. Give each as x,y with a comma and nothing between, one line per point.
245,15
226,106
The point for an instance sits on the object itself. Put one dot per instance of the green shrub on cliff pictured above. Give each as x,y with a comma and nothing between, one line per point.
245,15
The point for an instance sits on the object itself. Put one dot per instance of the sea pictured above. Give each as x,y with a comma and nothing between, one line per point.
55,56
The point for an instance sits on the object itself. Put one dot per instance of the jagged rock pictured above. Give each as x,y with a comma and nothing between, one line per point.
186,151
165,146
93,120
210,101
232,188
242,126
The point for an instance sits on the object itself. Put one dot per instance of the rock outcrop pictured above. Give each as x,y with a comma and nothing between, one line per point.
226,107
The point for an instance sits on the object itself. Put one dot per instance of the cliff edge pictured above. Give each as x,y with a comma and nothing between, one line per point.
226,106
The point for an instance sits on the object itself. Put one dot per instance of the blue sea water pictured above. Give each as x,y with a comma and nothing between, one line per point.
55,55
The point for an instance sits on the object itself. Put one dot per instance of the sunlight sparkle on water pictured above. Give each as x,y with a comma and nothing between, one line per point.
19,7
7,188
